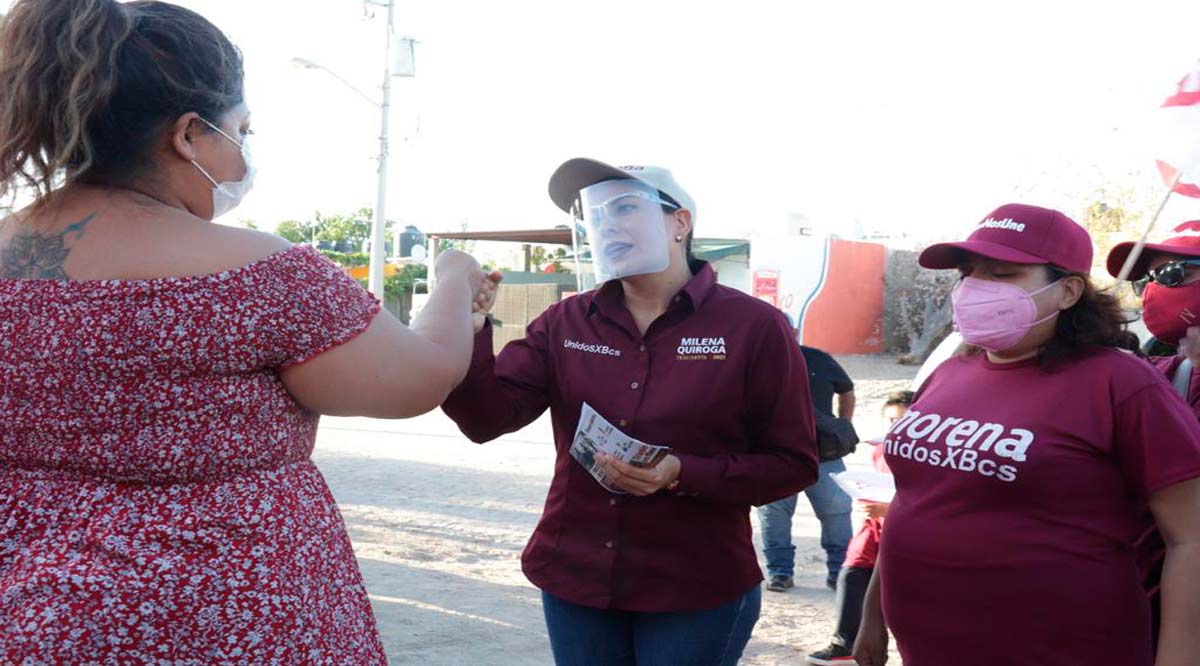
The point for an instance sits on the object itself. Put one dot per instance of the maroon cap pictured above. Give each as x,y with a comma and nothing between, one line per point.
1020,234
1184,240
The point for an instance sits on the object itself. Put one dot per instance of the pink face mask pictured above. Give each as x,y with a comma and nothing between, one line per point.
995,315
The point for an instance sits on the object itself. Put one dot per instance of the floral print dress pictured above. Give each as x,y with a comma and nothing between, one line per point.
158,503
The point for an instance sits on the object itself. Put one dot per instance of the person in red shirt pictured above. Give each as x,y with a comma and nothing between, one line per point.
1171,303
1024,469
662,571
856,570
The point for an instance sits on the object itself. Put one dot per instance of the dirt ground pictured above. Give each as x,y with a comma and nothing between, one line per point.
438,525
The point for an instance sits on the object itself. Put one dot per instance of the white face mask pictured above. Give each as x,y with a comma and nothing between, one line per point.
227,196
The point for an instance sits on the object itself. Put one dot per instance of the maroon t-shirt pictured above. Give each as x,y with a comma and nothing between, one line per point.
1149,548
1019,494
719,378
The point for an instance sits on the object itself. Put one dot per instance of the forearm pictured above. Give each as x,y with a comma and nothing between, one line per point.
753,479
485,405
445,323
846,402
873,600
1179,636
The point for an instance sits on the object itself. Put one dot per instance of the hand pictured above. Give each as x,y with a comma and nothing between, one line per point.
873,510
451,263
1189,345
871,646
640,480
485,298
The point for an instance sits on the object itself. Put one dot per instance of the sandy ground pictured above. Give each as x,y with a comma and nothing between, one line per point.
438,524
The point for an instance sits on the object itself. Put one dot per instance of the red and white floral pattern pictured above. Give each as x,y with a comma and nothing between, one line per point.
158,504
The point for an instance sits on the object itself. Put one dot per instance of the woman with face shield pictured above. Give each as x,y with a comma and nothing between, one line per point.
1024,468
648,559
161,376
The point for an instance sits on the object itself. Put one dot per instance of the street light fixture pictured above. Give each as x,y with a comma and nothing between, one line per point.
375,271
304,63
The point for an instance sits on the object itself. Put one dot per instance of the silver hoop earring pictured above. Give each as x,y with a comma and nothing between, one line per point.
678,238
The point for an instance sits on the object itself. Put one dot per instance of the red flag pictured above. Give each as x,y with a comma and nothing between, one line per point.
1180,149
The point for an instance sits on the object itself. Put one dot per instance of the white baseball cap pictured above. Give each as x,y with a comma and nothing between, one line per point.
577,173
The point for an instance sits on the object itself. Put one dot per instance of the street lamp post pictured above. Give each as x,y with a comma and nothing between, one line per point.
379,224
375,272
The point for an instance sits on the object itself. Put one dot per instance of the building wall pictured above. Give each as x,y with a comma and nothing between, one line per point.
734,272
519,304
832,288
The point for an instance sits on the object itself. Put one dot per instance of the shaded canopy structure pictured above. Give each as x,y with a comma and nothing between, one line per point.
705,249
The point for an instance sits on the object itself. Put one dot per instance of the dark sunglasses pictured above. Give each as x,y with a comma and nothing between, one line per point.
1172,273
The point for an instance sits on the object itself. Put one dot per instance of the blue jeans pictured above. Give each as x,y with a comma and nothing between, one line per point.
832,507
584,636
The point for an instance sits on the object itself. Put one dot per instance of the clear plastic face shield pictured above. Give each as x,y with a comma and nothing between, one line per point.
621,222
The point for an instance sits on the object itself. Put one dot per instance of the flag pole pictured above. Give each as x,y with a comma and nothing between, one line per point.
1136,252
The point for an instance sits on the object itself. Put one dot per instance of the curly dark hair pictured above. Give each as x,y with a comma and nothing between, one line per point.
1097,320
89,83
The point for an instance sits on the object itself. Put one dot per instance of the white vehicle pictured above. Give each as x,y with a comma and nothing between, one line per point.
943,351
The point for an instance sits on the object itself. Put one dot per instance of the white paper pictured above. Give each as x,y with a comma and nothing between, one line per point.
866,485
596,435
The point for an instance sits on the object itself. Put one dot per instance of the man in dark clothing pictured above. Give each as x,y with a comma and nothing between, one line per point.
826,379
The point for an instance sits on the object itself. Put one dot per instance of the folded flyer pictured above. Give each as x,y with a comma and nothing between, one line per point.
596,435
867,485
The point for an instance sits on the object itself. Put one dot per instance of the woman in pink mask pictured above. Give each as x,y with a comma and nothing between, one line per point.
1024,470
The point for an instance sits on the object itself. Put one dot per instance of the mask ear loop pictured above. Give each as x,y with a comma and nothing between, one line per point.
240,144
206,174
1052,315
220,131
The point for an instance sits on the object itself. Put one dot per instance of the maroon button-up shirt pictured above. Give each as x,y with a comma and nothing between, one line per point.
718,378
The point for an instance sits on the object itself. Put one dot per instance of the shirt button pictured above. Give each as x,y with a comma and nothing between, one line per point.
677,299
642,348
612,502
633,386
623,424
608,544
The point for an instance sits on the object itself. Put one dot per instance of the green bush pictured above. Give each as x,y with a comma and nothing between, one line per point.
401,282
348,259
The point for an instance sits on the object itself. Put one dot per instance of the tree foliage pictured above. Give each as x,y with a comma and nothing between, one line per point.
919,304
351,229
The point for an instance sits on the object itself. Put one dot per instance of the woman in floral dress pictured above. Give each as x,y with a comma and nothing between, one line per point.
161,376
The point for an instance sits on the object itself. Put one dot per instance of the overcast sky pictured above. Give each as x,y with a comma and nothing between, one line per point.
918,115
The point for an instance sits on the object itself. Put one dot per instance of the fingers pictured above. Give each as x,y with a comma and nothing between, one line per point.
868,658
631,479
1189,345
485,294
478,320
637,473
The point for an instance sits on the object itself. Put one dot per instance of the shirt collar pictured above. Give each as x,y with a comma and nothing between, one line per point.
608,297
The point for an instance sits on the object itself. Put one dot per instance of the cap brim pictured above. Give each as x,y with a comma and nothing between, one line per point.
1120,252
949,255
578,173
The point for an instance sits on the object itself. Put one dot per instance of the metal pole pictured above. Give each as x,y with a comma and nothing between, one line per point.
1136,252
435,248
375,272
